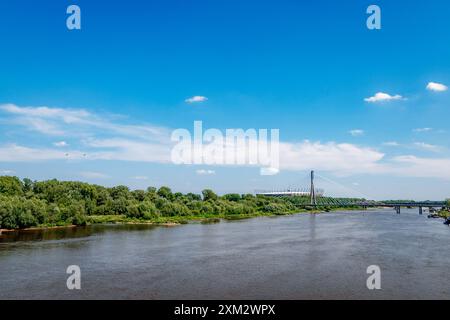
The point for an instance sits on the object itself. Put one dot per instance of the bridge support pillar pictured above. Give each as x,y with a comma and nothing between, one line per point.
312,192
397,210
420,210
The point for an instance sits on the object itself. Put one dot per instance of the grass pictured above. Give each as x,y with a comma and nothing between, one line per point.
203,218
211,218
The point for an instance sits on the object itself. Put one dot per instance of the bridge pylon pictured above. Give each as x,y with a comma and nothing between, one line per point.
312,192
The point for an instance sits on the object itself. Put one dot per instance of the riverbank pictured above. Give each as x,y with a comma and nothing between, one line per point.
176,220
444,214
161,221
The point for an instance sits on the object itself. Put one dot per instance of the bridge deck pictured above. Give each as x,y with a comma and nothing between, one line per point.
430,204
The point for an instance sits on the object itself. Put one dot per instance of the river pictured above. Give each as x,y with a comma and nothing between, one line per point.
303,256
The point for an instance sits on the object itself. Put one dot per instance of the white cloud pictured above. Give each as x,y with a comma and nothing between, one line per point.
437,87
77,122
60,144
427,147
121,150
93,175
269,171
423,129
129,150
6,172
40,125
195,99
119,141
16,153
391,144
383,97
205,172
356,132
340,158
412,166
140,177
105,139
68,115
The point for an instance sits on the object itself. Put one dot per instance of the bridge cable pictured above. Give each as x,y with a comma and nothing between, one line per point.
345,187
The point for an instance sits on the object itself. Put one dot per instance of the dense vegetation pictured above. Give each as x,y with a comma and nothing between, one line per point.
26,203
445,213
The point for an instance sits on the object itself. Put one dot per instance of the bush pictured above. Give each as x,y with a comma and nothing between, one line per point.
70,211
232,197
144,210
79,220
148,210
274,208
25,219
119,206
239,208
7,218
133,211
171,209
18,212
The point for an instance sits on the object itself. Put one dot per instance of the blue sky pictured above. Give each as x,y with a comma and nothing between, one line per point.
114,90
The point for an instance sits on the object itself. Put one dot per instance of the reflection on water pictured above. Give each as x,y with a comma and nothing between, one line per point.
295,257
66,232
45,234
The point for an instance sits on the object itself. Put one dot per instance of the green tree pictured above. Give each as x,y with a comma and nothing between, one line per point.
120,192
119,206
193,196
24,218
79,220
27,185
139,195
68,213
248,196
102,196
208,194
165,192
26,203
11,186
7,218
148,210
170,209
232,197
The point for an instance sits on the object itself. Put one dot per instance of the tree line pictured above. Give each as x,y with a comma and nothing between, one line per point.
26,203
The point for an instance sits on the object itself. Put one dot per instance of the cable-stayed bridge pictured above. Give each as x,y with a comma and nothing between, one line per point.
314,197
